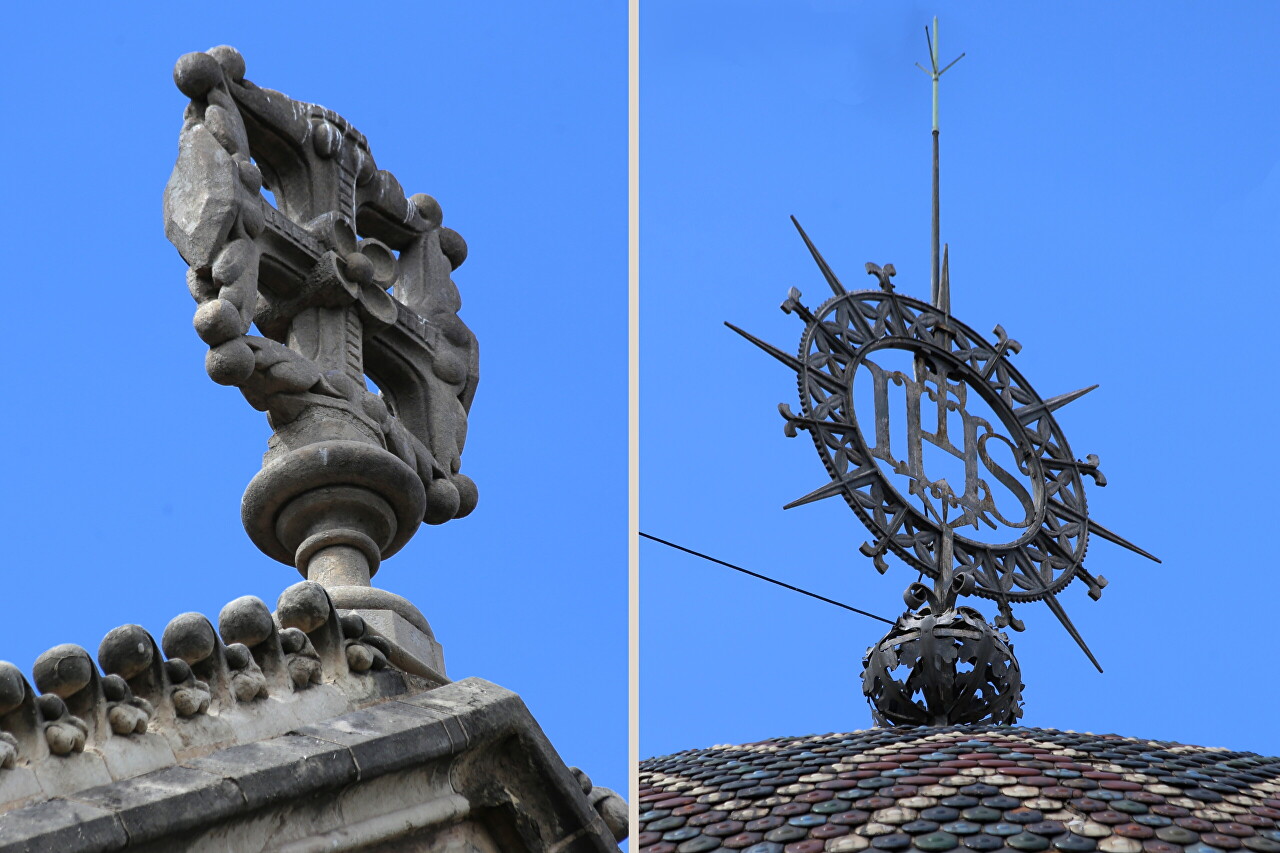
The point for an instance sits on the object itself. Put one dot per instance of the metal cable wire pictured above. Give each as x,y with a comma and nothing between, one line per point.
765,578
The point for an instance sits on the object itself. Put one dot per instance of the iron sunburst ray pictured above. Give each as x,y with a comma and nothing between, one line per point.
825,380
1027,414
836,287
852,480
1057,609
1063,511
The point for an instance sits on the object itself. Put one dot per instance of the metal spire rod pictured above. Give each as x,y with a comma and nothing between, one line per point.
940,294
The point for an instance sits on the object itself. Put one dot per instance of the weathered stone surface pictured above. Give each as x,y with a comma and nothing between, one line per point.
166,801
390,736
467,763
412,650
91,729
313,274
61,774
289,766
132,756
19,786
61,825
201,196
502,708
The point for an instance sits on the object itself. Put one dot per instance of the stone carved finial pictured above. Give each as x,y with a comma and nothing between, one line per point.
349,474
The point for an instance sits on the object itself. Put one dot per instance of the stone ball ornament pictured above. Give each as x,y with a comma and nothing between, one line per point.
959,469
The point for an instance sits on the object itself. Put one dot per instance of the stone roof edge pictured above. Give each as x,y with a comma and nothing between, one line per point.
198,689
443,723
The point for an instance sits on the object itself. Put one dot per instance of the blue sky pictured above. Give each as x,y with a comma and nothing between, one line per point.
1109,194
125,463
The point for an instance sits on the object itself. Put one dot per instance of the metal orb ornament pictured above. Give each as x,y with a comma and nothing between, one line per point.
942,665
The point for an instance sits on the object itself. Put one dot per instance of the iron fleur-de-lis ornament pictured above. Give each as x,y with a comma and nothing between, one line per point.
896,394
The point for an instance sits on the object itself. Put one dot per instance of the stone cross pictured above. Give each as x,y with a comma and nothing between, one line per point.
344,278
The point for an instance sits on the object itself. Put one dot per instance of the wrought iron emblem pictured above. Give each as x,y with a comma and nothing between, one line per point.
942,448
934,525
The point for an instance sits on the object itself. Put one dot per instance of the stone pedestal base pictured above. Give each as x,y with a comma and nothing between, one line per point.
411,649
413,644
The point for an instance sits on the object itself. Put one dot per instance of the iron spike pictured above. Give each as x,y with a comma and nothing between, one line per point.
835,487
1028,413
836,287
1095,527
786,358
826,381
1063,511
1056,607
944,288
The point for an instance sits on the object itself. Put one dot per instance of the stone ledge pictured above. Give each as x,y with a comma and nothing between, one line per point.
166,801
475,741
389,737
61,825
288,766
199,689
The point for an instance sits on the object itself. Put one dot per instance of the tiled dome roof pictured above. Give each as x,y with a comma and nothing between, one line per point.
960,788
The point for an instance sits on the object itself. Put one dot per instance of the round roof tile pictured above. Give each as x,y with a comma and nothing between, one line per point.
960,788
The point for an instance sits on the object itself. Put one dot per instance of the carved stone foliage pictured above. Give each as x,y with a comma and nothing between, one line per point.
345,277
196,689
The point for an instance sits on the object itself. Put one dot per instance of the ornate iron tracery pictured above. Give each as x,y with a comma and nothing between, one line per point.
950,362
951,365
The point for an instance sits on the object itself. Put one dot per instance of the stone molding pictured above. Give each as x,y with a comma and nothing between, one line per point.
464,759
198,690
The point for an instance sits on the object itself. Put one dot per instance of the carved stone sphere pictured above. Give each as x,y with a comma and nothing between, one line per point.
190,637
245,620
126,651
196,73
940,670
468,495
229,363
453,247
63,670
443,501
12,687
428,208
231,61
304,606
